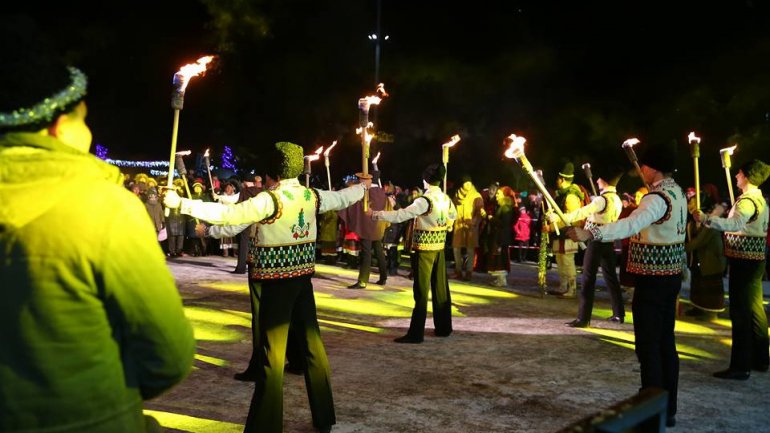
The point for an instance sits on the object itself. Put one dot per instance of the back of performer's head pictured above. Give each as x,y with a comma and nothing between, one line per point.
660,155
434,174
756,171
285,160
37,86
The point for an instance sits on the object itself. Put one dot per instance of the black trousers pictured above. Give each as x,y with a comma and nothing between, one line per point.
243,250
750,338
429,269
365,265
284,303
654,309
599,254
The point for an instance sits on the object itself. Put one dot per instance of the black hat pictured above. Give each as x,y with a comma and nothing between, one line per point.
611,174
568,172
434,173
37,86
660,155
756,171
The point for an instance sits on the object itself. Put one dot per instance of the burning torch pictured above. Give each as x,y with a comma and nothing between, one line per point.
309,159
365,128
207,161
695,154
726,153
374,164
516,151
180,81
590,176
628,146
183,174
327,163
445,155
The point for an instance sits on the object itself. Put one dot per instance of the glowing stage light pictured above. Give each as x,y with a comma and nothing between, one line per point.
193,424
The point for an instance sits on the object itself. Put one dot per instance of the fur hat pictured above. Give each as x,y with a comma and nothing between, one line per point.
756,171
285,160
660,156
37,85
434,173
568,172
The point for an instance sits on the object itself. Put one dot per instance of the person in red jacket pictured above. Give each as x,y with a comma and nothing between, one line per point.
521,233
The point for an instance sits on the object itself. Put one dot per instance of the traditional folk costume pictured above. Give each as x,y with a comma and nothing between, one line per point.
744,239
569,197
281,265
656,258
433,215
603,209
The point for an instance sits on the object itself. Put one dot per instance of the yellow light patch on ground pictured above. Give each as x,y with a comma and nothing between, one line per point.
193,424
692,328
726,323
613,334
604,313
227,287
352,326
626,339
694,353
217,316
726,341
213,325
385,304
336,270
618,343
469,289
211,360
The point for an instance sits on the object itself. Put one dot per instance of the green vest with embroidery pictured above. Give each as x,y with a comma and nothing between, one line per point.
285,243
659,248
749,243
430,228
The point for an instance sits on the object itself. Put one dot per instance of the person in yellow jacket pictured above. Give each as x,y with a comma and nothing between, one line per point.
465,234
91,323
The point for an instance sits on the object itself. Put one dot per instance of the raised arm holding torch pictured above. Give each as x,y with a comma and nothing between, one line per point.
376,168
180,81
182,170
590,176
308,160
365,128
628,146
726,164
327,163
516,151
445,155
695,154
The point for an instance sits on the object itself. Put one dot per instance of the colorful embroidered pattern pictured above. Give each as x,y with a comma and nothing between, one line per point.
301,229
744,247
285,261
646,259
428,240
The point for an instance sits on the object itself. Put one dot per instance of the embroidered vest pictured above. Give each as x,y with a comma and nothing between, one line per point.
285,243
749,243
609,214
659,248
430,228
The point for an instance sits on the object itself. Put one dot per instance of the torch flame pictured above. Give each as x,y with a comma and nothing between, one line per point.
192,70
586,165
728,150
376,158
693,138
454,140
184,152
367,134
326,153
381,90
631,142
315,155
516,147
206,155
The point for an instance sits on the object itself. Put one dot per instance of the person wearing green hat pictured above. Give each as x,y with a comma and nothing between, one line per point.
282,262
745,233
92,322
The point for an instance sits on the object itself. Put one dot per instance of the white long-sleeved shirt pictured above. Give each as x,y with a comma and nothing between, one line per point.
737,220
651,208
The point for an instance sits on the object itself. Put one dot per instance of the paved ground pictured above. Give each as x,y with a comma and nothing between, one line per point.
510,366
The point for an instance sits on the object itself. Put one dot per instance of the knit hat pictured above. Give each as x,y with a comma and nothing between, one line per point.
37,86
756,171
197,184
568,172
285,160
434,173
660,156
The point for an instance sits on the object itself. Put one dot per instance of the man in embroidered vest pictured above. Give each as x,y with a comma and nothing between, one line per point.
569,197
433,214
603,209
656,257
283,262
745,230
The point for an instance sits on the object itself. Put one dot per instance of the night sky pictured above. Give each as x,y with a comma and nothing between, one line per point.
576,78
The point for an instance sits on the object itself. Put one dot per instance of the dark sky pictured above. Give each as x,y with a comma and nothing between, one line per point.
575,77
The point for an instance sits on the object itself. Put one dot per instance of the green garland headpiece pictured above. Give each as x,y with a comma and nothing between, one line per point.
46,110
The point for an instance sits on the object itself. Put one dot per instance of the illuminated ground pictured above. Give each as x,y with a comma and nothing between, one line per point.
510,366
